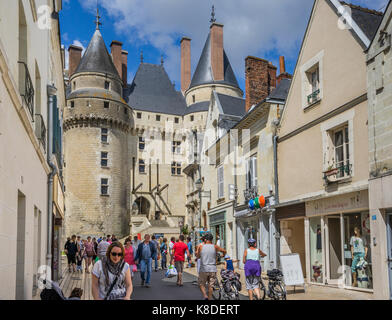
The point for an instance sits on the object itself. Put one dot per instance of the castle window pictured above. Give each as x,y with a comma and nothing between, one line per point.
74,85
192,118
193,98
88,103
142,143
104,135
107,85
176,120
142,166
104,159
176,147
106,104
158,118
125,110
176,168
72,104
139,115
104,186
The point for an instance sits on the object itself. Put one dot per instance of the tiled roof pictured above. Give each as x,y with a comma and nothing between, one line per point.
197,107
97,58
152,90
232,105
281,91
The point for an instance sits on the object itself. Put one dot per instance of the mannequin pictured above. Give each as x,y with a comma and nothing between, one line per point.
359,251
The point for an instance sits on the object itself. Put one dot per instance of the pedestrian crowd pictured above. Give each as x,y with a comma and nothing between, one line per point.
114,264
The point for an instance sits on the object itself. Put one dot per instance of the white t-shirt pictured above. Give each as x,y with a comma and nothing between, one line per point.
119,291
358,244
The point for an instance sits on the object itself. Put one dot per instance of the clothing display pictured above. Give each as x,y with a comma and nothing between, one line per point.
318,242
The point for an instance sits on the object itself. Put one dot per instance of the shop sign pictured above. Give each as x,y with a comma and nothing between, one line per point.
346,202
219,217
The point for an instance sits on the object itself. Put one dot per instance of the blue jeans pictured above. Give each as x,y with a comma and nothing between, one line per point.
163,261
156,262
145,265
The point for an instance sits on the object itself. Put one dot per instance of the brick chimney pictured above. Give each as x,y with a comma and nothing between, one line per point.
283,73
124,70
75,54
116,51
260,80
185,63
217,51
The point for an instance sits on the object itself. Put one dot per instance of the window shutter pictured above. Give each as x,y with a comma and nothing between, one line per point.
254,173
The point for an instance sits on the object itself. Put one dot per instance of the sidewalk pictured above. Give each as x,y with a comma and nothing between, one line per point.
313,292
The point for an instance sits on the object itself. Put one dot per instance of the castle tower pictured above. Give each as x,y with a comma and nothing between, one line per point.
97,122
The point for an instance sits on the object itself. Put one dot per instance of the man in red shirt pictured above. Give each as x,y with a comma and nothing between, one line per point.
179,250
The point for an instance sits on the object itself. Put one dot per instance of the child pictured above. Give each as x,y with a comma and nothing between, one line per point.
229,263
79,259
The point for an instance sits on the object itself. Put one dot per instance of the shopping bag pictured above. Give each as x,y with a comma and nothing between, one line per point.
171,272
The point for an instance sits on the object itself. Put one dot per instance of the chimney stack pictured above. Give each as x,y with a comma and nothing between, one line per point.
75,54
283,73
116,51
260,80
124,71
185,63
217,51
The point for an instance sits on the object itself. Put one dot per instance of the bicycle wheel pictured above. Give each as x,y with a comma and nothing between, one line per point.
262,289
216,292
279,292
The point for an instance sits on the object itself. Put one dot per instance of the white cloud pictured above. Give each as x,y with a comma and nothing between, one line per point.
252,27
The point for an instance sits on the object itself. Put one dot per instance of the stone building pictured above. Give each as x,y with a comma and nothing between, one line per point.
32,98
128,145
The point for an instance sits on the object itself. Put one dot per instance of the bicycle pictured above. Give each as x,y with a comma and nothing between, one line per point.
219,293
276,288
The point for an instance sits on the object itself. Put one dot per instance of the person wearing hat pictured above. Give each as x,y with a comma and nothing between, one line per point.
251,260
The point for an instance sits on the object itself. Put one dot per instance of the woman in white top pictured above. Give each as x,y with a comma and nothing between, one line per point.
111,276
251,260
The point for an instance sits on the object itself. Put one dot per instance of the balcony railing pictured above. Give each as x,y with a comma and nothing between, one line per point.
250,193
337,173
26,88
314,96
40,129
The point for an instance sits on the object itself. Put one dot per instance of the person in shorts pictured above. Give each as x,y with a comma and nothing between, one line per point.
179,249
207,274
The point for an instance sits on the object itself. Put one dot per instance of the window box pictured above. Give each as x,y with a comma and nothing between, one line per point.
314,97
337,174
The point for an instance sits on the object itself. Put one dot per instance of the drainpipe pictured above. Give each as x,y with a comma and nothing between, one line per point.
51,91
277,241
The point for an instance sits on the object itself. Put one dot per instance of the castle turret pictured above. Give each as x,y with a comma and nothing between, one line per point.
97,122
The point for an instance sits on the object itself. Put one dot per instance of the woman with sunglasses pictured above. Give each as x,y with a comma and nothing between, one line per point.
111,276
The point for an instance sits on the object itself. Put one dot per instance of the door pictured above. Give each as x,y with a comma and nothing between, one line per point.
389,234
334,249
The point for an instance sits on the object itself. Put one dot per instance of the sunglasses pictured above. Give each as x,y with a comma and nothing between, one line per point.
115,254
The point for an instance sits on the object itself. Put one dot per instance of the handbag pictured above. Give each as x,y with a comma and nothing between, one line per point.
114,283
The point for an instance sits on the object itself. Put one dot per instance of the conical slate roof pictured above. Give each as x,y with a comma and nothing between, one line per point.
204,74
97,58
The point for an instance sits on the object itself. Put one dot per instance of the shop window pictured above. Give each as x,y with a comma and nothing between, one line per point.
104,186
220,183
357,250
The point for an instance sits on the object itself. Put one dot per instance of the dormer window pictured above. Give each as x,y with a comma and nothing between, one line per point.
107,85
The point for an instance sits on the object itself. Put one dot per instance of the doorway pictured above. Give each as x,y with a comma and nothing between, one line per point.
334,249
389,235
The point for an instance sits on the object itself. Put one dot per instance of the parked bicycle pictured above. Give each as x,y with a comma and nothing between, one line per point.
276,288
229,287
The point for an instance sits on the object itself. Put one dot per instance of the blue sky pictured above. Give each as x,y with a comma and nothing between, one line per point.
262,28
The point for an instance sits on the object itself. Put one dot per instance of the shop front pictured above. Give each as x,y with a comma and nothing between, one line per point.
291,222
217,223
338,241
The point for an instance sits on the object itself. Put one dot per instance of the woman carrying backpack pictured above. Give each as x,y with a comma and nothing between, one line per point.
251,260
111,276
